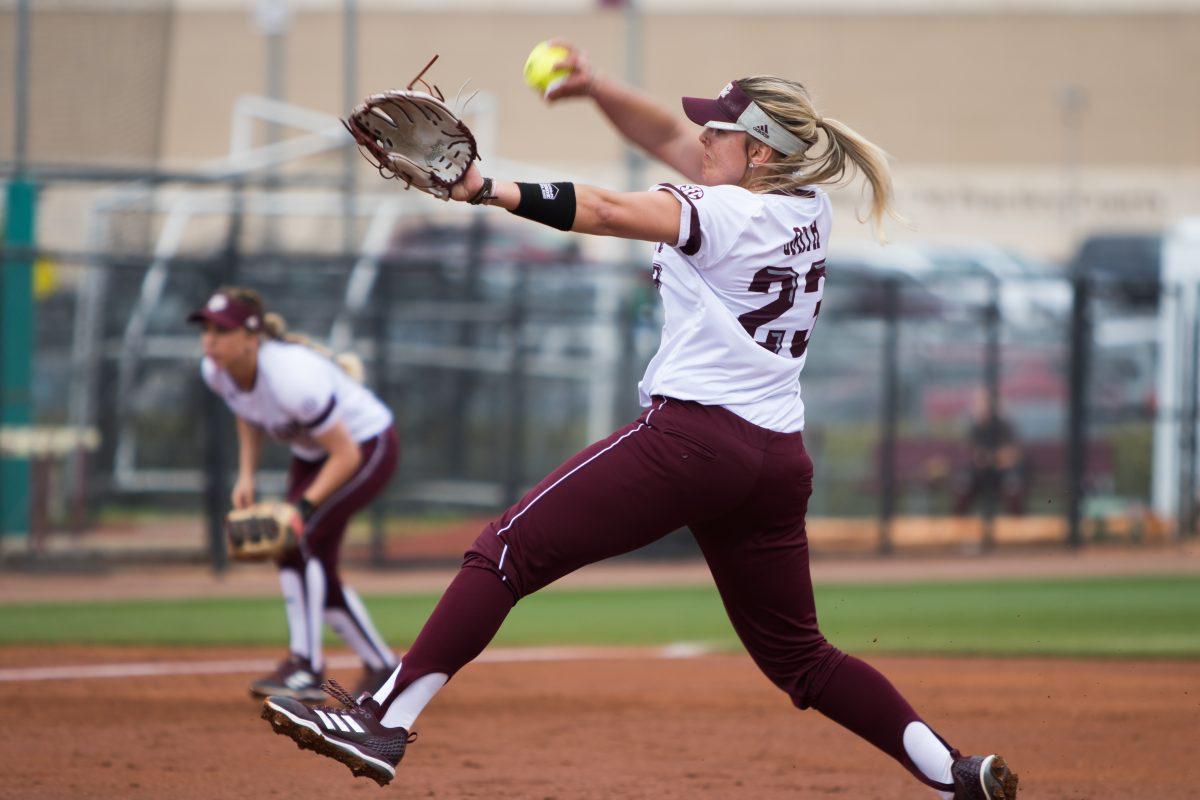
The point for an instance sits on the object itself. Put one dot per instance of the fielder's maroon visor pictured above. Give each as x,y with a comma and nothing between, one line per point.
228,313
733,110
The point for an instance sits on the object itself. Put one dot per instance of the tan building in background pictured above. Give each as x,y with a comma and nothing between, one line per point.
1026,123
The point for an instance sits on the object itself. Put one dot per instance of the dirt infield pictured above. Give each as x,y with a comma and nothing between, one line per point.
628,727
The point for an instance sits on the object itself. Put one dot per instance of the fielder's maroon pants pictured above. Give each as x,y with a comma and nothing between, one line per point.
325,529
742,490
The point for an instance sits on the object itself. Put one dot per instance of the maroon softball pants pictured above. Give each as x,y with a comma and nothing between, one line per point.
325,529
742,490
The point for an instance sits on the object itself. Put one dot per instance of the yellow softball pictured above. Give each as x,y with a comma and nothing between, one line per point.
539,67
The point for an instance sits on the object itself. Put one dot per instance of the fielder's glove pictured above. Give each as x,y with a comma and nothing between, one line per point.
267,530
414,137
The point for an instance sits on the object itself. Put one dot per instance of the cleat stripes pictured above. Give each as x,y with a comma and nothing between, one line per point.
338,722
299,680
292,678
308,736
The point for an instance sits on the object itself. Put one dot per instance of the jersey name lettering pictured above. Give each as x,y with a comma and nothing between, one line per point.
805,239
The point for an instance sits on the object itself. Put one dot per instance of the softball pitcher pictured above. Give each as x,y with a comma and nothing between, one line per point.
344,450
740,265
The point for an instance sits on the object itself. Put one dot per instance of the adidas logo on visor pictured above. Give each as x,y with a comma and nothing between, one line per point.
761,130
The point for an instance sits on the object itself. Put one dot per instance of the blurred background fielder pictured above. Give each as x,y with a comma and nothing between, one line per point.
344,450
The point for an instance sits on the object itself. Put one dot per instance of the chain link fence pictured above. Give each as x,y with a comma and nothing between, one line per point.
958,396
946,409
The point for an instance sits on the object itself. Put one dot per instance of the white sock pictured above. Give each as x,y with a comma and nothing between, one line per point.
382,692
353,624
929,755
295,604
412,701
314,585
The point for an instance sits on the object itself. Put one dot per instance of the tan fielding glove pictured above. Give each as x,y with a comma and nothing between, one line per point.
414,137
267,530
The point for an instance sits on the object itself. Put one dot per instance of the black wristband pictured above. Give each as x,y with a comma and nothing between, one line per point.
306,509
551,204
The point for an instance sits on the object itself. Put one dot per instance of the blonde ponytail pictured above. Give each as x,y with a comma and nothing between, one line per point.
275,327
869,159
835,151
352,365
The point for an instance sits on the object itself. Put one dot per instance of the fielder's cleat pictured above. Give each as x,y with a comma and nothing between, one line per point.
351,735
371,679
295,678
982,778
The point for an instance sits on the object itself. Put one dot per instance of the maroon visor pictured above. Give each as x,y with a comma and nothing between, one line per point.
228,313
726,108
733,110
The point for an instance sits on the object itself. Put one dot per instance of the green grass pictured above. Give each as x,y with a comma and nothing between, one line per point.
1109,617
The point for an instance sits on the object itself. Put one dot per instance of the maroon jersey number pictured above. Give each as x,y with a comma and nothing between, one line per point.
788,279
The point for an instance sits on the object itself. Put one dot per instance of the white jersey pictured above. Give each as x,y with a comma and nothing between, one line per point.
741,291
299,394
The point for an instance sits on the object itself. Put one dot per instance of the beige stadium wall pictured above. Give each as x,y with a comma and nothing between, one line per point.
96,83
967,89
970,105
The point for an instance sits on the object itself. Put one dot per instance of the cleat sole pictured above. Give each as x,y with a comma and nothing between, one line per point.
308,739
303,695
1003,783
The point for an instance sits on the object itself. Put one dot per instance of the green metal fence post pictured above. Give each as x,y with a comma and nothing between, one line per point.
16,349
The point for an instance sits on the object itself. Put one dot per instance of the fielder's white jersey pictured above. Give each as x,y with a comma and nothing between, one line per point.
299,394
741,291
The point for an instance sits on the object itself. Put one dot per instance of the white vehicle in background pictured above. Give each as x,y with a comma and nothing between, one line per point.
1032,293
961,273
858,270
